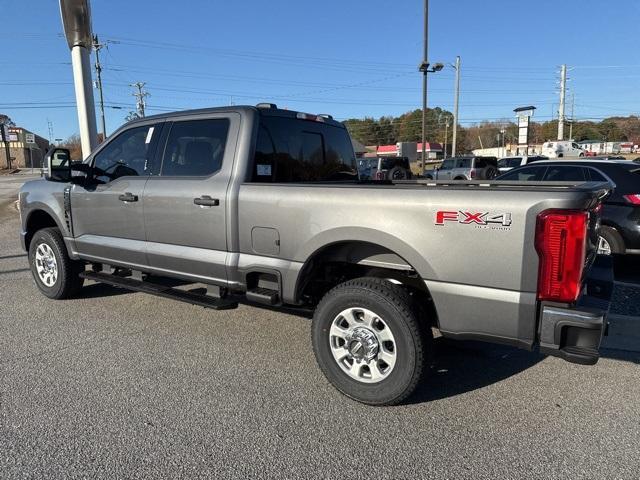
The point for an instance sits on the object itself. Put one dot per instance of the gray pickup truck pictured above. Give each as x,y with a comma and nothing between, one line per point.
265,204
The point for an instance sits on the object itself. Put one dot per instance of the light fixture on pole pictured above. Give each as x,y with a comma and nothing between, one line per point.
76,20
454,141
425,68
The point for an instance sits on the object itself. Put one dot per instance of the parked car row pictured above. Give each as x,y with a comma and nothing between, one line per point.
465,168
384,168
619,232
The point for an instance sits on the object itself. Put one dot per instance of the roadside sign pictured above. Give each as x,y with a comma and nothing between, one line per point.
30,138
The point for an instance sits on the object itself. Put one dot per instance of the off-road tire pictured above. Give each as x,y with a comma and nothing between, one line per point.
68,281
398,173
397,307
490,173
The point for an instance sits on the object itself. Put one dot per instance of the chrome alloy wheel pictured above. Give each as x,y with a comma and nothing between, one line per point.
363,345
603,247
46,265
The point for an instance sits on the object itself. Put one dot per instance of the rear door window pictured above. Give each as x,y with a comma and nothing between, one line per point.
564,173
463,163
527,174
510,162
195,148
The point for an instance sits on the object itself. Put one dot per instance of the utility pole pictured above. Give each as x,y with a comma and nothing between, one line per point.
50,127
446,137
573,105
140,96
4,130
455,108
425,62
96,47
563,90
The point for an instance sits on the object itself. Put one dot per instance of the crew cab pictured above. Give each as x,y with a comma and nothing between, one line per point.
266,204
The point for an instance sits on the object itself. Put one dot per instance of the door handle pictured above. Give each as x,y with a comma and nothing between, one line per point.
128,197
206,201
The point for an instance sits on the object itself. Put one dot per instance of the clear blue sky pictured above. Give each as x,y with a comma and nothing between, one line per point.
350,58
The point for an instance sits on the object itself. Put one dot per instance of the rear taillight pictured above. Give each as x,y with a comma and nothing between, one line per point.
633,198
561,242
472,173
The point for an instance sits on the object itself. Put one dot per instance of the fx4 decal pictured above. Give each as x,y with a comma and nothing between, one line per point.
473,218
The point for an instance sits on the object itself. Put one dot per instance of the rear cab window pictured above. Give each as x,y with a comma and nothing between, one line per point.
291,150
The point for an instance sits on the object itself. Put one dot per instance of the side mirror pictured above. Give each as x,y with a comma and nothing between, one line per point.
58,165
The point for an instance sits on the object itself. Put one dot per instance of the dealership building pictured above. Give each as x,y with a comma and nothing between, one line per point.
26,149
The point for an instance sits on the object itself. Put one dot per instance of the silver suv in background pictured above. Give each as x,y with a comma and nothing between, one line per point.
507,163
465,168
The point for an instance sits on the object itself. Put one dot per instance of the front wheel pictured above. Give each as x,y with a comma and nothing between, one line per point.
369,342
55,274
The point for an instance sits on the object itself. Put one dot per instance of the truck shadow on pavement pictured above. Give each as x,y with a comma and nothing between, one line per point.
463,366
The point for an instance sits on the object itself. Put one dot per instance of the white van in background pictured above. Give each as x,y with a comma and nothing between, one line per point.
561,149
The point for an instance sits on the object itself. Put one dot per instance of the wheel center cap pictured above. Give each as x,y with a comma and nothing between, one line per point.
362,344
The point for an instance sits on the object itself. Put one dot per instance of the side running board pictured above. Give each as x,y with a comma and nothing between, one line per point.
161,290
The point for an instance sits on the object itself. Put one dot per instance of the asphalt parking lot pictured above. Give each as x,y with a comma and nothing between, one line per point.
126,385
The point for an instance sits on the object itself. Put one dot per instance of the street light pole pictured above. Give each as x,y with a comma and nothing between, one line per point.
425,63
76,20
455,108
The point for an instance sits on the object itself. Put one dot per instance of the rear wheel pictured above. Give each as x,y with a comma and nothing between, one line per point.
610,242
368,341
398,173
55,274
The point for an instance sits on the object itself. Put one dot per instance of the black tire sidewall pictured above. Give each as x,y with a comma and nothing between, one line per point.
48,236
612,237
402,376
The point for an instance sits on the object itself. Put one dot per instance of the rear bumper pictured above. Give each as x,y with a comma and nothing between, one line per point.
575,333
